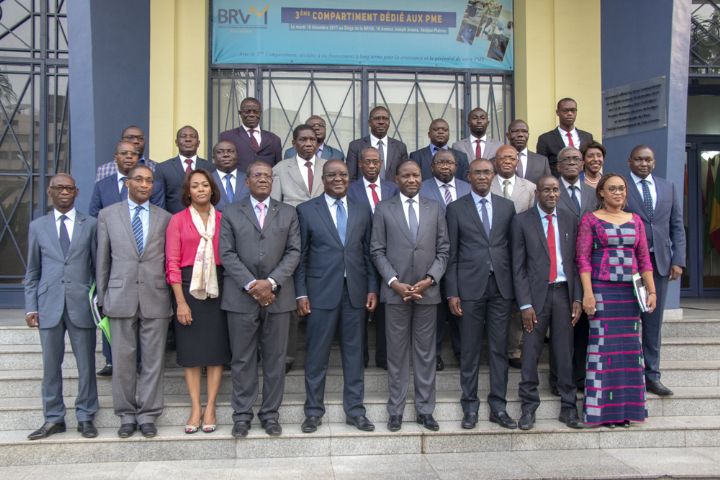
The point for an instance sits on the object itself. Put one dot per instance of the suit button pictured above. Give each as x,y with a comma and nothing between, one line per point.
62,281
262,254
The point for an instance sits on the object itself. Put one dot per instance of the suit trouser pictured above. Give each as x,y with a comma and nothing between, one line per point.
378,317
270,331
515,335
138,397
407,326
52,341
580,345
447,321
491,311
321,327
652,327
292,338
556,315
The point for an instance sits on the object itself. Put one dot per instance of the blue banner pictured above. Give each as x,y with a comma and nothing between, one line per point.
467,34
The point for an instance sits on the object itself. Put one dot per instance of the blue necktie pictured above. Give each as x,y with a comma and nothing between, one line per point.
341,218
647,199
485,216
64,236
574,190
123,188
138,230
229,188
412,220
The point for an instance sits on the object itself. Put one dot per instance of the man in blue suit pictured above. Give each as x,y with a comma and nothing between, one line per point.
371,190
656,202
444,188
335,285
439,134
324,151
227,177
60,270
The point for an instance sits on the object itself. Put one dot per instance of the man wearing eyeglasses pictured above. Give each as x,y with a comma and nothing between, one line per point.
136,137
324,151
251,142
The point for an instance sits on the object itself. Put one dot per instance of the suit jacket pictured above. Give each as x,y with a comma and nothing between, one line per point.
429,189
328,153
424,158
289,186
472,253
531,258
270,150
550,143
665,233
170,175
397,155
249,253
54,282
326,264
465,145
395,255
241,190
106,193
356,192
523,192
537,166
125,279
588,201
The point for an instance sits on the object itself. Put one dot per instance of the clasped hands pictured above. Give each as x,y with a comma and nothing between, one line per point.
261,292
411,292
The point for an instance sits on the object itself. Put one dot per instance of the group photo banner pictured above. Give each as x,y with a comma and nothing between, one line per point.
466,34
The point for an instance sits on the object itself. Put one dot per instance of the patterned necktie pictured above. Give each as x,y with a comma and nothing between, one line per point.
478,149
261,218
574,196
485,217
447,195
229,191
309,166
647,199
551,249
412,220
341,218
253,141
506,188
375,197
381,151
189,168
123,188
64,236
519,167
138,230
570,139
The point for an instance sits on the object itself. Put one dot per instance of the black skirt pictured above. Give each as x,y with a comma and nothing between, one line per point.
205,342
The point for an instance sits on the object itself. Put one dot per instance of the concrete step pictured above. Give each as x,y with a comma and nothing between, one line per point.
692,326
691,348
26,413
340,440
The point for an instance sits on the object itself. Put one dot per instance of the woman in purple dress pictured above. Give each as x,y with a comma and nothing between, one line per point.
611,247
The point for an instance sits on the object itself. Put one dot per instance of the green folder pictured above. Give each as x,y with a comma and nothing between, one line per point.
101,322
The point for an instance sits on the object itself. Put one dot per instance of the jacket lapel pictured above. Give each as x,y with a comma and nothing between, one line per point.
318,186
247,210
424,219
636,199
399,216
78,229
537,222
52,232
475,215
270,215
323,212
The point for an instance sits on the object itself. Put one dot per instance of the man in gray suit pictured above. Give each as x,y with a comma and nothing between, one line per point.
132,292
60,270
547,288
531,166
410,247
260,249
324,151
336,286
480,288
478,144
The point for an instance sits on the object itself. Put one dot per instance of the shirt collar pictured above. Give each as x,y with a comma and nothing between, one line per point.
565,132
374,140
542,212
477,197
367,183
441,183
70,215
501,180
331,201
145,205
482,139
404,199
524,152
223,174
193,158
568,184
302,161
434,148
637,179
247,129
254,202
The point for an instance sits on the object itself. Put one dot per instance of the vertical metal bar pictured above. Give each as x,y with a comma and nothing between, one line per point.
467,102
43,111
364,101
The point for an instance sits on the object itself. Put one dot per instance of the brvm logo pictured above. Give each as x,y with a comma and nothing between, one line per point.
250,17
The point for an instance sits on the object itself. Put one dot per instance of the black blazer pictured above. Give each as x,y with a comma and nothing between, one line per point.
424,158
550,143
170,174
588,201
398,154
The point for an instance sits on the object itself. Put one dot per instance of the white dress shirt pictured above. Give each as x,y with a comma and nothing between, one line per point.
120,179
476,200
69,222
256,133
233,180
575,137
567,185
368,191
522,161
304,171
511,185
474,142
415,205
451,184
386,148
651,187
333,207
183,162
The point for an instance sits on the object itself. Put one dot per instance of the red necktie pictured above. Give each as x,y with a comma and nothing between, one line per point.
188,162
375,197
309,166
253,140
478,149
570,140
551,249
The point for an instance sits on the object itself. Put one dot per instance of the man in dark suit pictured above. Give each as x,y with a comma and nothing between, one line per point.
656,202
134,135
226,175
371,190
550,143
392,152
260,249
439,134
132,292
478,144
60,270
531,166
444,188
336,286
170,174
251,142
409,248
324,151
479,288
548,291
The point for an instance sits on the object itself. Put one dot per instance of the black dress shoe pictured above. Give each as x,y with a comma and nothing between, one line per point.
361,423
272,427
148,430
105,371
46,430
240,429
439,364
503,419
658,388
469,421
126,430
394,423
311,424
87,429
382,365
570,418
288,367
527,421
427,421
515,363
554,390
